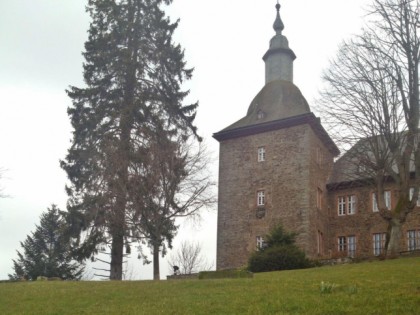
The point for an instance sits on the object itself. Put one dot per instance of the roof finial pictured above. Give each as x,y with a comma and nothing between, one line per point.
278,24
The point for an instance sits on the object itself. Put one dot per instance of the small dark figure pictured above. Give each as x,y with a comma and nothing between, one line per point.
176,270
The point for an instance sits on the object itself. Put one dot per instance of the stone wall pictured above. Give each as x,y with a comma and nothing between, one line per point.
289,178
365,222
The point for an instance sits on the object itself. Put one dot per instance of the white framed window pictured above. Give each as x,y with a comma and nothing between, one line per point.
261,198
261,154
341,205
319,198
351,241
351,204
260,242
411,196
413,240
379,243
387,195
342,244
347,205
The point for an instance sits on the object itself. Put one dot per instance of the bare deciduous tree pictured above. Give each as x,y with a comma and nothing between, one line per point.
175,184
189,259
371,103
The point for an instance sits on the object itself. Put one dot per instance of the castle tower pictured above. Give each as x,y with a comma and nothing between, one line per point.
273,166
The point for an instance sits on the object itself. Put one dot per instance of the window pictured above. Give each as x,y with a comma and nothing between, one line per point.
411,196
346,205
347,244
342,244
378,243
319,198
320,243
341,205
413,240
261,198
351,204
319,156
387,195
260,115
351,241
260,242
261,154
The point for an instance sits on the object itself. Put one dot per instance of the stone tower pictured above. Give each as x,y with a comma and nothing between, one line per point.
273,166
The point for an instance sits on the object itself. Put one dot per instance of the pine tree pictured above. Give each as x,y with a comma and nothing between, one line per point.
47,251
133,74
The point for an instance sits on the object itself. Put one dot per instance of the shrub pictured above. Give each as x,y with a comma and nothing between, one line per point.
278,257
279,252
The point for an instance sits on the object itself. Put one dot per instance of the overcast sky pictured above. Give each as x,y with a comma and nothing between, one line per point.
40,56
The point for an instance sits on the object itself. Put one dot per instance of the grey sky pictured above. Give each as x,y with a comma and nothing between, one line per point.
40,55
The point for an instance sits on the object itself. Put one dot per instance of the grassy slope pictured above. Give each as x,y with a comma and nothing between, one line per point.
389,287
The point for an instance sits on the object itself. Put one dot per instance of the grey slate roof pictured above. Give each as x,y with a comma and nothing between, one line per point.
277,100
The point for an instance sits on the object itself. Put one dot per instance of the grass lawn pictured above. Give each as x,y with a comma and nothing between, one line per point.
381,287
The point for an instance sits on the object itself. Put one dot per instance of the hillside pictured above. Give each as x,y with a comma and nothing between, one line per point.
380,287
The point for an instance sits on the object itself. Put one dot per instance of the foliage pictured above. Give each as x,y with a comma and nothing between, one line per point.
278,253
286,292
133,73
225,274
278,236
47,251
371,104
278,257
189,259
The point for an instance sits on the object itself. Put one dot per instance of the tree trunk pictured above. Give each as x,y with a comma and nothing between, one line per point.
117,249
394,238
156,272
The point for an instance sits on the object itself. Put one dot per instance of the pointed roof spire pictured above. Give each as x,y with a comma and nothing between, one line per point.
278,23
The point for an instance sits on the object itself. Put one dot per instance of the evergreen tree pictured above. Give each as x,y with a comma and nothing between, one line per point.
133,74
47,251
279,252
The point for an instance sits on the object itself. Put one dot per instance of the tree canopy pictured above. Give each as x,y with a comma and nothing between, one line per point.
47,251
133,73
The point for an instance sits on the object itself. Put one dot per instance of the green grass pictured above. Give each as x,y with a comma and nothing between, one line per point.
381,287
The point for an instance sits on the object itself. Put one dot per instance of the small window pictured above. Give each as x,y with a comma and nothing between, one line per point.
351,205
319,156
261,198
260,115
413,240
261,154
341,205
347,205
387,195
342,244
319,198
411,196
351,241
320,243
379,243
260,242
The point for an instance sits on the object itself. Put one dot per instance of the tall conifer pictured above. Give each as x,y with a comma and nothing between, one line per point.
133,73
47,251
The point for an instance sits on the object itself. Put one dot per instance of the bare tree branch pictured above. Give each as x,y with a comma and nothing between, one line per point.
371,105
